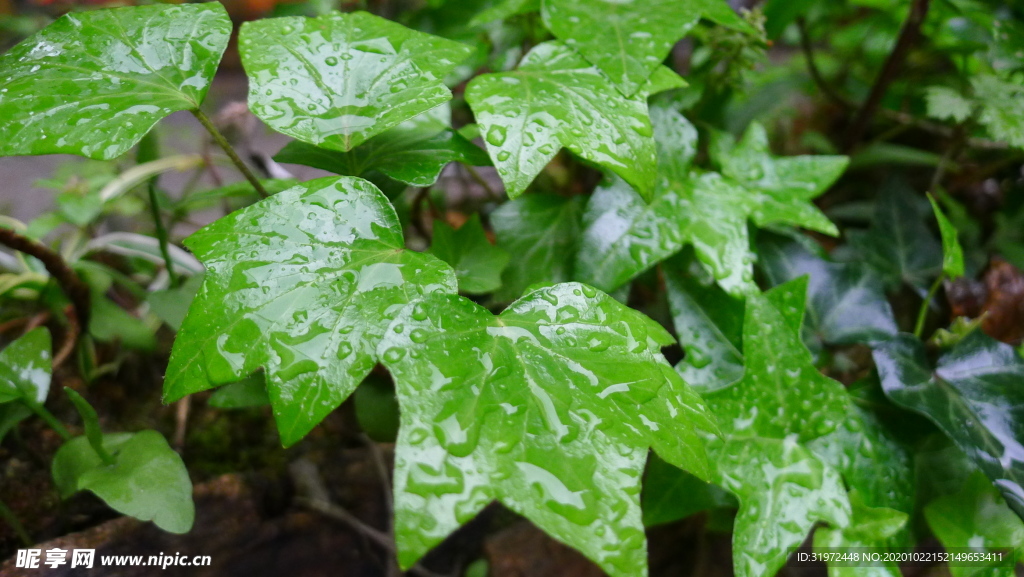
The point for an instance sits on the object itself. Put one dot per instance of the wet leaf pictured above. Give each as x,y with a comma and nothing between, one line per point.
952,253
303,285
477,262
846,304
629,39
25,368
554,99
94,83
540,233
870,527
977,517
973,394
337,80
549,407
147,481
414,152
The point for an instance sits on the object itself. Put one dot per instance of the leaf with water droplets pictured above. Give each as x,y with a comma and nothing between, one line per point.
339,79
784,186
540,232
477,262
554,99
549,407
625,235
94,83
629,39
303,285
976,516
25,368
414,152
870,527
973,394
846,304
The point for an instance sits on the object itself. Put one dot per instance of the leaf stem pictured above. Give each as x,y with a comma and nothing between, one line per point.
226,146
161,232
47,416
923,313
15,524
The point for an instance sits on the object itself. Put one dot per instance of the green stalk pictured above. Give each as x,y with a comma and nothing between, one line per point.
161,232
923,313
15,524
47,416
226,146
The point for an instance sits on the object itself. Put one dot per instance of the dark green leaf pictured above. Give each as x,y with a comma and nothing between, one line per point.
249,392
337,80
377,409
94,83
301,284
477,262
671,494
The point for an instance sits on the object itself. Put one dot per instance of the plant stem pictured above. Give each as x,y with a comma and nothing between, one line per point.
161,232
226,146
812,67
73,286
47,416
908,36
15,524
923,313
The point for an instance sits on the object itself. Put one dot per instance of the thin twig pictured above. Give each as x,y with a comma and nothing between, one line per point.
479,179
922,314
341,514
181,421
417,213
382,471
908,36
12,520
812,67
226,146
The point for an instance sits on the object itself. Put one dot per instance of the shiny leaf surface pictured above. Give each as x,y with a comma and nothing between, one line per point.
477,262
554,99
94,83
973,394
303,285
549,407
25,368
339,79
870,527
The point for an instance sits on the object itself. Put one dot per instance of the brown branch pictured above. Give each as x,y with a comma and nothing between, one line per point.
908,36
812,67
73,286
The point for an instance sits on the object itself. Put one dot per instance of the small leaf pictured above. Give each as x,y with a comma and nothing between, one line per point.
671,494
91,422
171,305
948,104
477,262
248,392
414,152
540,233
147,481
870,528
629,40
554,99
549,407
25,368
1000,111
301,284
952,253
339,79
94,83
973,394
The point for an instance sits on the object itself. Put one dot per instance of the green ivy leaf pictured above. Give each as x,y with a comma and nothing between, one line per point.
973,394
477,262
94,83
625,235
549,407
25,368
540,233
952,253
784,186
977,517
554,99
629,40
147,481
870,527
414,152
1000,112
301,284
339,79
846,304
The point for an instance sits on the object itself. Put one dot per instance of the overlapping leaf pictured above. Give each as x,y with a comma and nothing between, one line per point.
554,99
869,528
25,368
94,83
339,79
549,407
629,39
301,284
477,262
973,394
414,152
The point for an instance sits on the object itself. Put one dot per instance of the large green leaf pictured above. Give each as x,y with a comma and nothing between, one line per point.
846,304
973,394
94,83
554,99
549,407
477,262
147,479
629,39
303,285
414,152
25,368
540,232
870,527
625,235
339,79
